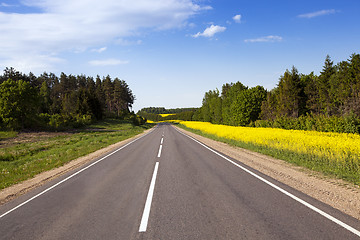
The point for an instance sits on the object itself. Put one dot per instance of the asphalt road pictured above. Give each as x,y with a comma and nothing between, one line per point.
165,185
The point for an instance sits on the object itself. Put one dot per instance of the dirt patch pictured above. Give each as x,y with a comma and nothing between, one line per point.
334,192
26,137
19,189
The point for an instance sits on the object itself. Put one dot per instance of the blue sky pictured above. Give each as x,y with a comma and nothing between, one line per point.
171,52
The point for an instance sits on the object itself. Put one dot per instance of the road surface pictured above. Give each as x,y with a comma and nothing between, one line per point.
166,185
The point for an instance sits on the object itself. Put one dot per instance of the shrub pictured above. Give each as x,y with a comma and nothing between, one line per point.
322,123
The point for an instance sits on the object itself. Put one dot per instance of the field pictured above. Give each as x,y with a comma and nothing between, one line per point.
167,114
334,154
23,155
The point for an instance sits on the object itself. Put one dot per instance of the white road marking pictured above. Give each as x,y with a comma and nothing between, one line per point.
74,174
146,213
159,154
324,214
162,140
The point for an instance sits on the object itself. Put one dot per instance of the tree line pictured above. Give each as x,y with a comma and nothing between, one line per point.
327,102
49,101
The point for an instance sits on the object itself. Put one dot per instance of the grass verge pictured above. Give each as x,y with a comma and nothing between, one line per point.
310,161
7,134
20,161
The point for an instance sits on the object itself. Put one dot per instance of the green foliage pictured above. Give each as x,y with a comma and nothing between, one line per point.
335,92
329,102
247,106
137,120
18,104
290,94
58,103
153,110
228,95
162,110
211,107
323,123
237,105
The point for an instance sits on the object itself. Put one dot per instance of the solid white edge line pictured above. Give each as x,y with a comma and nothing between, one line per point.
324,214
146,213
74,174
159,153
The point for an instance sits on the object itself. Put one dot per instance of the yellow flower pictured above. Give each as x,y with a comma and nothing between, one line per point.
337,147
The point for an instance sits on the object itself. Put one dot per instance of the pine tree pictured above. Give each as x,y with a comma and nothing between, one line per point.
324,86
289,99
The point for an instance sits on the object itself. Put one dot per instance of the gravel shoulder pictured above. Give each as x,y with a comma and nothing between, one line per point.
337,193
19,189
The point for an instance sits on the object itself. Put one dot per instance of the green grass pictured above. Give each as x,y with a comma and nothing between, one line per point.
22,161
308,161
7,134
110,125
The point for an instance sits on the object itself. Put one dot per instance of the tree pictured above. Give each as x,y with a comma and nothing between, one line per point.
269,105
228,95
11,73
290,94
311,93
353,102
324,86
45,101
108,90
18,104
211,107
247,106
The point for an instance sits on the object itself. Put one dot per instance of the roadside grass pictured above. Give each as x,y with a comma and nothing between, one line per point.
7,134
327,166
110,125
24,160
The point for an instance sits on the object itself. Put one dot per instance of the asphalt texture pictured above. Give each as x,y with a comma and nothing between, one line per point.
197,194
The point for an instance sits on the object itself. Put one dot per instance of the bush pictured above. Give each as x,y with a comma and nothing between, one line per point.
322,123
62,122
137,120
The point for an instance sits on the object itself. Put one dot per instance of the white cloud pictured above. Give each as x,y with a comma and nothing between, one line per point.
317,14
191,25
27,62
125,42
237,18
265,39
108,62
7,5
99,50
210,31
67,25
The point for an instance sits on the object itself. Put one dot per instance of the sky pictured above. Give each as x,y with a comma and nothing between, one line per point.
170,52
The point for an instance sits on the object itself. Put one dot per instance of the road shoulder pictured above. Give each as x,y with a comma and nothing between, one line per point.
334,192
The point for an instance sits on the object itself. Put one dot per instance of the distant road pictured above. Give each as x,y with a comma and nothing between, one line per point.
166,185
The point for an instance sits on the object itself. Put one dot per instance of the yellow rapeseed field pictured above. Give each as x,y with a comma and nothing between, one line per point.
168,114
341,149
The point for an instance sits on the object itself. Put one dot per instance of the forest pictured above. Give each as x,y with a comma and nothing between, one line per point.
54,103
328,102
